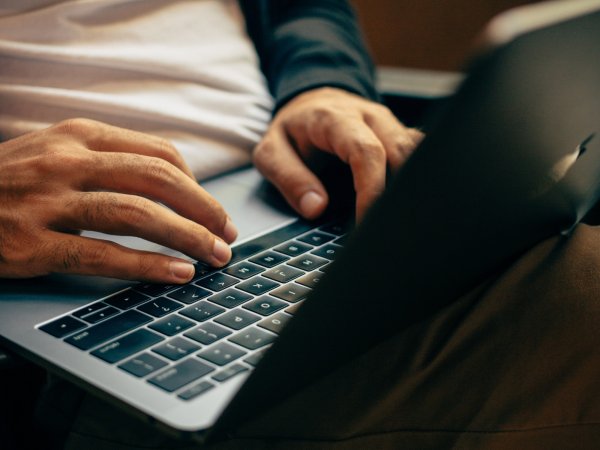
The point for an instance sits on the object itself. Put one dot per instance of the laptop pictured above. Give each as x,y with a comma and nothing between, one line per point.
512,158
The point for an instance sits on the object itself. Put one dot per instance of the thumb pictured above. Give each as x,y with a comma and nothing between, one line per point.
279,162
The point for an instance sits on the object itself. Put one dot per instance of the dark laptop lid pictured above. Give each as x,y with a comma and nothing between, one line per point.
512,159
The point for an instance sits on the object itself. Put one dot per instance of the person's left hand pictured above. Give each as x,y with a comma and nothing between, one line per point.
363,134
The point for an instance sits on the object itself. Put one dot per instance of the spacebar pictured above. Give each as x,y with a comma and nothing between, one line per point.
108,329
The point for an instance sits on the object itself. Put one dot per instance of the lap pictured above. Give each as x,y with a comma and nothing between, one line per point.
513,363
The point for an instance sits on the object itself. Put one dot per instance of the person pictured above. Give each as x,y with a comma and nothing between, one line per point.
511,364
82,174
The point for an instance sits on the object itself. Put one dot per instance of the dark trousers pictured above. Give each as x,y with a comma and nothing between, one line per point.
514,364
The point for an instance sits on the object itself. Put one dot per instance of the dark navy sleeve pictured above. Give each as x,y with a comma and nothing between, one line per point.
304,44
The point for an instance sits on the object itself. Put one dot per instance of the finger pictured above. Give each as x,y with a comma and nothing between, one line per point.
159,180
277,160
129,215
367,162
101,137
356,144
398,140
416,134
65,253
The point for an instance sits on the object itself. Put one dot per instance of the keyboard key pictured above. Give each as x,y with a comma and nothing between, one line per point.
254,358
110,328
257,285
61,327
143,365
89,309
237,319
202,311
316,238
230,372
253,338
126,299
189,294
202,270
293,248
105,313
230,298
336,229
154,289
275,323
293,310
244,270
176,348
269,240
311,279
172,325
283,273
341,240
325,268
160,307
265,305
308,262
208,333
218,281
181,374
196,390
291,292
328,251
221,353
269,259
127,345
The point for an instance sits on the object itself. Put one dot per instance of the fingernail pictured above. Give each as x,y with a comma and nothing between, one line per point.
181,270
221,252
230,232
311,204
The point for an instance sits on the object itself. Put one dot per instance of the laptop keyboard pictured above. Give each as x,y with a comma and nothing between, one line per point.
185,339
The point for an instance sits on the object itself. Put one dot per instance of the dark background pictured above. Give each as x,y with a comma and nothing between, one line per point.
427,34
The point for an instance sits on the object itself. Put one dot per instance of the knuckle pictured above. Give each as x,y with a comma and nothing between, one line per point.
77,126
145,267
324,115
263,154
17,243
18,255
160,170
382,109
94,256
370,149
416,135
378,110
167,148
134,211
408,142
58,155
366,155
67,159
404,147
93,210
62,256
70,258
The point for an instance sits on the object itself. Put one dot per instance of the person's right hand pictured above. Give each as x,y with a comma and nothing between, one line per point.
85,175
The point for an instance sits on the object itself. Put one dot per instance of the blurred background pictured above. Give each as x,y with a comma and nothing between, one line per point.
426,34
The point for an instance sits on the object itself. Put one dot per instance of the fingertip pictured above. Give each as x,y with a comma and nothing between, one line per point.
221,253
312,204
230,232
181,271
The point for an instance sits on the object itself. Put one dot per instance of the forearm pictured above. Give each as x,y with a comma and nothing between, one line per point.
304,44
